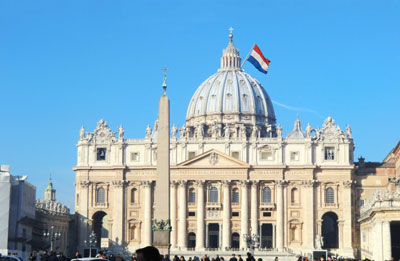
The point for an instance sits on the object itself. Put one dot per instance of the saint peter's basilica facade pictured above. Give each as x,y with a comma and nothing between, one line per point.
232,173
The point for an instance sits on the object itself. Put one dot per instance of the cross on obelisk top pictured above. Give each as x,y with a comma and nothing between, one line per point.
164,85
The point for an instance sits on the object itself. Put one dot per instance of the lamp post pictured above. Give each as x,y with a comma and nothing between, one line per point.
52,236
92,242
252,241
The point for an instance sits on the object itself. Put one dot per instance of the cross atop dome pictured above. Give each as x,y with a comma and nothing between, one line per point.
230,33
230,59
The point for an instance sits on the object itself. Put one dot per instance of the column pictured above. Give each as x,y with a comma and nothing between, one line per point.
173,214
200,216
83,212
226,228
254,208
182,233
244,222
118,211
279,215
347,217
377,248
309,225
147,232
386,240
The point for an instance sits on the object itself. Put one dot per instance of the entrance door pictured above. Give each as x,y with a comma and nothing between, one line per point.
235,240
266,235
213,235
192,240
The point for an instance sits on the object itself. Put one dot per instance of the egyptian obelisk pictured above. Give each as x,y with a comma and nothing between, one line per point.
161,225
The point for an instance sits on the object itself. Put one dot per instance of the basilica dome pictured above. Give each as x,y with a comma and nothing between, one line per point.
231,96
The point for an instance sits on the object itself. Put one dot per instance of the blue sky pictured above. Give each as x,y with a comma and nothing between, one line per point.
64,64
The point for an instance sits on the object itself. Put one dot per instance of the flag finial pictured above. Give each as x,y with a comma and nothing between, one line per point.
164,85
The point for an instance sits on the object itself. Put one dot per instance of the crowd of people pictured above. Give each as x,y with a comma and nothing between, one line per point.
151,253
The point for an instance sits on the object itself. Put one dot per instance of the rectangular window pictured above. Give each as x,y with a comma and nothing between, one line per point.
361,202
294,155
134,156
266,155
266,214
191,155
192,214
329,153
235,154
235,214
101,153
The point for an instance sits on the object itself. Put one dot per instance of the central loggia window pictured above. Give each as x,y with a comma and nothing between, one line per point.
101,153
213,194
266,195
329,153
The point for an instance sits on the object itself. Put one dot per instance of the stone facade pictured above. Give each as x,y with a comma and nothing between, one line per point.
379,207
232,172
53,217
21,216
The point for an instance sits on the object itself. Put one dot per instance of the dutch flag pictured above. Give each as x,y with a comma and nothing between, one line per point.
258,60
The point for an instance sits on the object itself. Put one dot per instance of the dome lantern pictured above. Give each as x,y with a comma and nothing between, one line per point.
230,59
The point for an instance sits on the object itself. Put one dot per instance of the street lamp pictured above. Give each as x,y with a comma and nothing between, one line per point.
92,242
252,241
52,236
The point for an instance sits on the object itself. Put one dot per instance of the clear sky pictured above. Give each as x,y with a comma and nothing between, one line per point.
64,64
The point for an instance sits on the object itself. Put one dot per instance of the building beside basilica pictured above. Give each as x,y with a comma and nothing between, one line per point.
232,173
53,219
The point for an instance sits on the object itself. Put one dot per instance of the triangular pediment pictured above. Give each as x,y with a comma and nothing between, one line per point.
213,159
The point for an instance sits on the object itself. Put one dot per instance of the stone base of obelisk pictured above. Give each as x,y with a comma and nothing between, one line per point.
161,241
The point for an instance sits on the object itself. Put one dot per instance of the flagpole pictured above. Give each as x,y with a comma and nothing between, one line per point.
248,55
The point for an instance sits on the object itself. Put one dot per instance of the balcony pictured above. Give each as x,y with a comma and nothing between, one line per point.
267,206
213,205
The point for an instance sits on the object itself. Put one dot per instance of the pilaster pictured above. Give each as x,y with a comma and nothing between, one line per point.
280,237
173,214
226,242
118,212
182,225
200,216
254,207
244,222
147,232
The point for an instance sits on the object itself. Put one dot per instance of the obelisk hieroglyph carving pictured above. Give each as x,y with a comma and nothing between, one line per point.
162,225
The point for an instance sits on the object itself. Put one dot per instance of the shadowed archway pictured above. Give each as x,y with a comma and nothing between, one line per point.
330,231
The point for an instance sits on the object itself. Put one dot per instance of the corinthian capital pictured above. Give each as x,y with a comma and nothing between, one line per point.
281,183
199,183
308,183
347,183
118,183
146,183
84,183
225,183
182,183
244,183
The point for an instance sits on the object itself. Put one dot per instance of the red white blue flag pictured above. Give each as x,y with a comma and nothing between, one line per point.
258,60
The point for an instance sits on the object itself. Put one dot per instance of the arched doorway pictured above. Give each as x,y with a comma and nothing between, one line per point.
330,231
235,240
100,226
191,240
